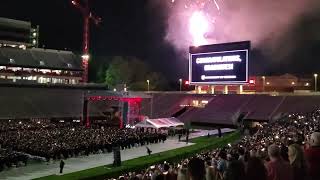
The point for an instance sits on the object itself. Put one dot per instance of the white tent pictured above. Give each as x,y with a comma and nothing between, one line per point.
160,123
144,124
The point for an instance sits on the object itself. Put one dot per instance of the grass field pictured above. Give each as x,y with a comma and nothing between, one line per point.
201,144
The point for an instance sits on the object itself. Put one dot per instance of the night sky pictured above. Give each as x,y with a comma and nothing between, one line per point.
135,28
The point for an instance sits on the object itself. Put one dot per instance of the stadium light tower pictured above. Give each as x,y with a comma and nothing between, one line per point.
87,16
315,82
148,83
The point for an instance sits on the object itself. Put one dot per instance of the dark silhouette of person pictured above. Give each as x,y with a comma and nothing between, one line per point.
180,137
187,137
61,166
149,151
219,132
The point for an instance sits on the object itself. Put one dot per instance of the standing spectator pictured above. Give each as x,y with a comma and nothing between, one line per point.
222,163
235,171
297,162
284,152
182,173
196,169
210,172
277,168
255,169
313,156
61,166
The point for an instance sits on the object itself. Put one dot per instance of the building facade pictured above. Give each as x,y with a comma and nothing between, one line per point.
263,84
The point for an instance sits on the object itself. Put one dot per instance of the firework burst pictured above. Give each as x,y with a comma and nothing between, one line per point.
201,15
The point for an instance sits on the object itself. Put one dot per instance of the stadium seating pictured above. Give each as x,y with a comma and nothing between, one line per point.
163,105
19,57
261,107
32,57
220,110
23,103
51,58
299,104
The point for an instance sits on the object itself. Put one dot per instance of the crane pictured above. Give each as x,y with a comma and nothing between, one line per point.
87,17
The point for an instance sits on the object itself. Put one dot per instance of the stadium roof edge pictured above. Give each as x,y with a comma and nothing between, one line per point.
221,47
88,86
15,23
52,50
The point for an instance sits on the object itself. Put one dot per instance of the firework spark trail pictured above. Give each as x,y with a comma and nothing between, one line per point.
217,5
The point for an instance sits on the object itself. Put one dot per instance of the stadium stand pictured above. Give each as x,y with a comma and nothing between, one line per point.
18,57
299,104
56,59
39,66
261,107
163,105
26,103
227,109
32,57
220,110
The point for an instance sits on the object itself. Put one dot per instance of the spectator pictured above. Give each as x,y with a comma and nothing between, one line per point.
297,162
313,156
183,173
283,132
255,169
196,169
277,168
222,162
210,172
235,171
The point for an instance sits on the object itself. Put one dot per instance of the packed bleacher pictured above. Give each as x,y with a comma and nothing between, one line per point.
287,149
21,140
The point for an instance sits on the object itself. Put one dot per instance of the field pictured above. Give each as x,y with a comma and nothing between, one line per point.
102,172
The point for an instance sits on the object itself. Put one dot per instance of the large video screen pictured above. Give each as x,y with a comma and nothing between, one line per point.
219,63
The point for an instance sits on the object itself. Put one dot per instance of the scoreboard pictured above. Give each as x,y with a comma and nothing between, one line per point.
219,63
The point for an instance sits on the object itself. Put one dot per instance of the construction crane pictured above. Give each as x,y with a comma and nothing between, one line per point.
88,16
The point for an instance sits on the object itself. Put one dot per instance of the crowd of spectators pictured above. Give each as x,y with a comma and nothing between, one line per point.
20,140
287,149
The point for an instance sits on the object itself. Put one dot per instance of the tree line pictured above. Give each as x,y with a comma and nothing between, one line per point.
129,72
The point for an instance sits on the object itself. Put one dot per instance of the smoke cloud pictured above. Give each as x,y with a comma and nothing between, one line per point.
282,32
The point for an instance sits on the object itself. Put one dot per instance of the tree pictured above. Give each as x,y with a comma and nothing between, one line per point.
134,73
157,81
118,72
